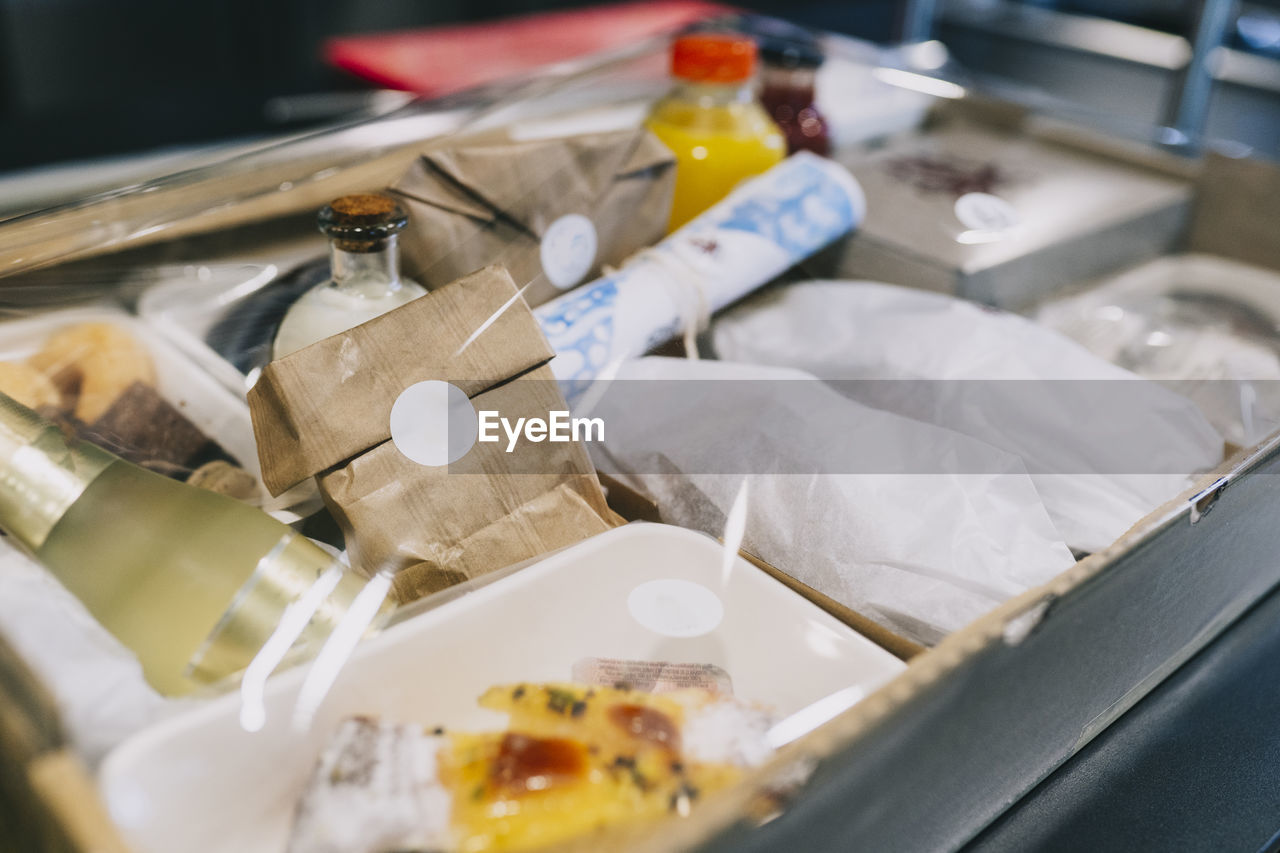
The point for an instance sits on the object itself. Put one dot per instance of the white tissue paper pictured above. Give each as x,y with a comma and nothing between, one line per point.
921,553
96,682
1102,454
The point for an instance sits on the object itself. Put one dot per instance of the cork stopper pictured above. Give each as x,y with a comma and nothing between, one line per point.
361,222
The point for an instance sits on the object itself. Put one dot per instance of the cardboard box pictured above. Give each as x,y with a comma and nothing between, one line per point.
973,724
983,202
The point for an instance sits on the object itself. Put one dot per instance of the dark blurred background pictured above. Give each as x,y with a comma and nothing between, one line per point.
87,78
82,78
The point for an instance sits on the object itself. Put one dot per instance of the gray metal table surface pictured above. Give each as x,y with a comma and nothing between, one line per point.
1194,766
1191,767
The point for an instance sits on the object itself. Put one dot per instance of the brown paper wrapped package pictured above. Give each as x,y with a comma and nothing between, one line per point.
325,411
492,200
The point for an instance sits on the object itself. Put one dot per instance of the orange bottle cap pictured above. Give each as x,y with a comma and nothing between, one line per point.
713,58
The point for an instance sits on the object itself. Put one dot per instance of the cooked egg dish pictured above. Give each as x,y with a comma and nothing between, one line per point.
574,759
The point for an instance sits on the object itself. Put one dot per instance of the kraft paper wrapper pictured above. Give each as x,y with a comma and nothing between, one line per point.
484,511
332,400
325,411
490,200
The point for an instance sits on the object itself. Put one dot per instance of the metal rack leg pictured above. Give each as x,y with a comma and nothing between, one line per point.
1188,108
917,20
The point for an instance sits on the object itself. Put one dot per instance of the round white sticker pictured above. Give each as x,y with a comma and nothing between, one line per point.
433,423
985,212
569,250
675,608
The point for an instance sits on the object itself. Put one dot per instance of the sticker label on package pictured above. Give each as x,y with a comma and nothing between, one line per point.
652,676
569,250
986,213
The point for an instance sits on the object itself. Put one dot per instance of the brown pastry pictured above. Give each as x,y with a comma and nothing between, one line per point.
144,428
93,364
28,386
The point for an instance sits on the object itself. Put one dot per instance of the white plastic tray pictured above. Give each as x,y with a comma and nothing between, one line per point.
199,782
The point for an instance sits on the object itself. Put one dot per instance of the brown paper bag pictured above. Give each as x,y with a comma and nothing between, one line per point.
552,211
325,411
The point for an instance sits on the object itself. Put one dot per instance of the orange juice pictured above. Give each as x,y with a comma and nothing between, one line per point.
712,122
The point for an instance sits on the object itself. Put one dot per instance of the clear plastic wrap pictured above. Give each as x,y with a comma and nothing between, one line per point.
1207,327
201,266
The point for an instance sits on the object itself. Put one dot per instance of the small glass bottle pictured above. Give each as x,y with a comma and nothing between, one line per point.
364,265
790,73
712,122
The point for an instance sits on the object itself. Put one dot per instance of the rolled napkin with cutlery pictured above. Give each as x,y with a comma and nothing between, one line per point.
761,229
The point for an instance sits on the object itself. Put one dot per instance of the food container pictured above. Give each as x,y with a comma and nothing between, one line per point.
216,411
643,592
1208,326
985,202
939,751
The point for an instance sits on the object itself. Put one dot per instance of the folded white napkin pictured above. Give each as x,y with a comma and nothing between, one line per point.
921,553
1104,448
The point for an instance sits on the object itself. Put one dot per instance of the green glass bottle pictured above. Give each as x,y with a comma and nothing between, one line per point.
193,582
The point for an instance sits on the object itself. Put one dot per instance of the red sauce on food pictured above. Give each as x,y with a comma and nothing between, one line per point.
647,724
527,763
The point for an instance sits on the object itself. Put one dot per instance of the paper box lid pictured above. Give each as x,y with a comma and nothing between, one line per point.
965,196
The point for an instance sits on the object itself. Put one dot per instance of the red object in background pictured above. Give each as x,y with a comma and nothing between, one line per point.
440,60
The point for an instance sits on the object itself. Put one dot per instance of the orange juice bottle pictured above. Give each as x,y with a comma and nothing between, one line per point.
712,122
